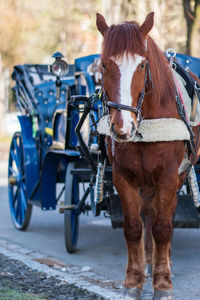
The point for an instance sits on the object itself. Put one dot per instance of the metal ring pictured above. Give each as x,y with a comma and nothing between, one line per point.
170,52
196,86
187,69
174,66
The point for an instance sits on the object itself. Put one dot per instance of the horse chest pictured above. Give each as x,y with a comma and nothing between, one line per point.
140,164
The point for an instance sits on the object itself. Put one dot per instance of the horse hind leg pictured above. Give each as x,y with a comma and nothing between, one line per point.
148,245
163,295
148,193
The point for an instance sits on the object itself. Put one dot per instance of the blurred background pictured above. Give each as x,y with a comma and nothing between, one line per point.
30,31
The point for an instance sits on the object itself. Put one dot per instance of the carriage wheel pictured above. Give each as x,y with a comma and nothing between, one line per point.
19,207
71,217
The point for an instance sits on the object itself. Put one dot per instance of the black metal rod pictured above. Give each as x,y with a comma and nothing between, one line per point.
83,146
59,196
83,200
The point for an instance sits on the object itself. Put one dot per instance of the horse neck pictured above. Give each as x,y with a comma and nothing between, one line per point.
160,100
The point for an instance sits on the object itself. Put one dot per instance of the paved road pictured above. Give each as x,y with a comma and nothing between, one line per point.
102,252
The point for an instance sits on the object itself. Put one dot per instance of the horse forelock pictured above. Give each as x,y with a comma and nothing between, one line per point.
121,39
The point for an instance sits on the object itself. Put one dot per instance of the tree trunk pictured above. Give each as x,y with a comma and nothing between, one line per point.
195,35
192,13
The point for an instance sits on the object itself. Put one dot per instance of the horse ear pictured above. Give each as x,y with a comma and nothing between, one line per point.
147,25
101,24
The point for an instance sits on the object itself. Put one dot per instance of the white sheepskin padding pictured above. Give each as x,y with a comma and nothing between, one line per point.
159,130
155,130
103,126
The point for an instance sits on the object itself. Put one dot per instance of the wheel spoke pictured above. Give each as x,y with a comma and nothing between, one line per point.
19,154
23,198
17,209
20,209
15,159
16,193
12,171
71,217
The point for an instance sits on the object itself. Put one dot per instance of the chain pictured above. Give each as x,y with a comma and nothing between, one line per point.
113,146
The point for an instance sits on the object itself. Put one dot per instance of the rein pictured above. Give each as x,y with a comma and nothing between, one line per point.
119,106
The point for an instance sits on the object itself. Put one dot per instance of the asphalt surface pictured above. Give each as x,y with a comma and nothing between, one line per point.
101,256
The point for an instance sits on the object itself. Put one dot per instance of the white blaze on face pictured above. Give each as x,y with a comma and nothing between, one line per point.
127,65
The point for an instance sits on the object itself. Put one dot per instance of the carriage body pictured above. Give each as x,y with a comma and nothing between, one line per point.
50,149
39,154
45,152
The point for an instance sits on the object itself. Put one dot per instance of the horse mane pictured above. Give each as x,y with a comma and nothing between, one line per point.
126,38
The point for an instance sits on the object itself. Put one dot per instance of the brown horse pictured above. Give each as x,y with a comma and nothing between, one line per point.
138,83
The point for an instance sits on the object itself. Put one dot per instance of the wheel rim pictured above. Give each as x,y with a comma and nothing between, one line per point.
16,182
71,217
74,213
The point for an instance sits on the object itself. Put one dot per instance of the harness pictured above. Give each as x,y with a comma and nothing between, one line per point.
192,88
137,110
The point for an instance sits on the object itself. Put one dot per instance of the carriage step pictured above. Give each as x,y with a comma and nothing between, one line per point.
64,207
108,169
186,215
82,172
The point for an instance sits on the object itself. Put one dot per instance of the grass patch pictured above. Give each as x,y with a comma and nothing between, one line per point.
8,294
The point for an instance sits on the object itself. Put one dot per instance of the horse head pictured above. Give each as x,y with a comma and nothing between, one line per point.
125,70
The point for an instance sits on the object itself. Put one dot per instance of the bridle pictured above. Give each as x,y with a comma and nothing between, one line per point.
138,109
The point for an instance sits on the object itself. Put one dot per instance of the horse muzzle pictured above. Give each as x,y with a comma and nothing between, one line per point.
119,136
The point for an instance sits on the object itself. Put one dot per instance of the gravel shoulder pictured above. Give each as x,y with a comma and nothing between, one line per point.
15,275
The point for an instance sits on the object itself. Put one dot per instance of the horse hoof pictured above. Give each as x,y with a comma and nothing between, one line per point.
148,270
163,295
132,293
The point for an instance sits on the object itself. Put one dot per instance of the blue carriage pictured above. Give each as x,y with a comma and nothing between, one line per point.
58,143
45,152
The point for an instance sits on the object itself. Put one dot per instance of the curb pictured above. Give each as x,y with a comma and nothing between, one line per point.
27,256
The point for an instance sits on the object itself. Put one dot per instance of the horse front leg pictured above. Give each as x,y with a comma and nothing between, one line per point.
133,228
133,235
162,233
148,194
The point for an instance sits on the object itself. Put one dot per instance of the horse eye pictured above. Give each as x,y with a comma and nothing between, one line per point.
103,66
142,65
